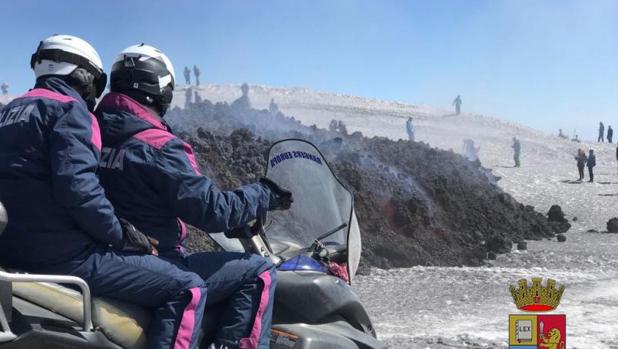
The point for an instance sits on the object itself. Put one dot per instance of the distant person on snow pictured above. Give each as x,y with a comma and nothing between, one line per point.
561,135
410,129
601,132
610,134
592,162
243,102
196,73
187,73
273,108
342,128
332,126
5,88
516,151
197,98
188,96
457,103
155,181
581,163
470,151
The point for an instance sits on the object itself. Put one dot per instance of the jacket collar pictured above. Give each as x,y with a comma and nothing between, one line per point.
60,86
121,102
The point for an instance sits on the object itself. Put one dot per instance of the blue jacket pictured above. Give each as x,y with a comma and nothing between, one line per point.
409,127
49,151
153,179
592,160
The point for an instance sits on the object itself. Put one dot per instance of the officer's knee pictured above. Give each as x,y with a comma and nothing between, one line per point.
187,280
261,264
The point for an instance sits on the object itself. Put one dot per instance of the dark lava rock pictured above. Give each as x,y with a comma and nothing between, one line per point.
560,227
556,219
416,205
561,237
574,219
491,256
592,231
555,214
499,244
522,246
612,225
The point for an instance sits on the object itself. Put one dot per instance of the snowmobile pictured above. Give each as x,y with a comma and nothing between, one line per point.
316,246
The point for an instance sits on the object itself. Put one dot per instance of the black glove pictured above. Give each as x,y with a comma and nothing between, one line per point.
283,197
135,241
247,231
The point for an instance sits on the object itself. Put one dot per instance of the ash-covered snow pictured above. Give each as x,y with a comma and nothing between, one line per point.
450,307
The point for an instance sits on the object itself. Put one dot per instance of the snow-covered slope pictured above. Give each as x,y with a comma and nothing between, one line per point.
468,307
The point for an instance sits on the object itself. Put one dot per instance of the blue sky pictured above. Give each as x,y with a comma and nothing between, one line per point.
544,63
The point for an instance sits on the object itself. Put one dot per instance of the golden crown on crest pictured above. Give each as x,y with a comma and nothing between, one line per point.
536,297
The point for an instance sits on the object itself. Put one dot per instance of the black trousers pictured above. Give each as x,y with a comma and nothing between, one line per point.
581,172
590,173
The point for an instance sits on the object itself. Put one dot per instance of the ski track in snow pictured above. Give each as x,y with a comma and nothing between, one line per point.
440,307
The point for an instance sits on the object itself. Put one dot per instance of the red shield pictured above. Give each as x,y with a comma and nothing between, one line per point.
552,331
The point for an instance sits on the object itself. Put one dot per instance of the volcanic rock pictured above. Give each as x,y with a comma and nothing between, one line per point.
499,244
416,205
557,221
612,225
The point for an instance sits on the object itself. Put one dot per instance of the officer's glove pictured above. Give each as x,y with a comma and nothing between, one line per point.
134,240
282,197
247,231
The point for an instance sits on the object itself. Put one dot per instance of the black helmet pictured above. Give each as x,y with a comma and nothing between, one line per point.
145,74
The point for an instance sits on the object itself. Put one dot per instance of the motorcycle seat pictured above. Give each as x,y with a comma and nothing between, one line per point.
122,323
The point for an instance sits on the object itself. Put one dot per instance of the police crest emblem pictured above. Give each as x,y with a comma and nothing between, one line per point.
537,331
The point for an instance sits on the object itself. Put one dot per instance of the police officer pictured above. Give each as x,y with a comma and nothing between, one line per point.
159,187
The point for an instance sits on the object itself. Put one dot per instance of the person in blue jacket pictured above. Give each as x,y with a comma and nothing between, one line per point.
60,221
591,163
410,129
152,178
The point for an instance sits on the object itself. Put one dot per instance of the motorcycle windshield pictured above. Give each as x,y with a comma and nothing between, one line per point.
322,208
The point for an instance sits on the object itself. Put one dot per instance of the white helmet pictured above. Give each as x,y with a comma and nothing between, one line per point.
63,54
146,74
